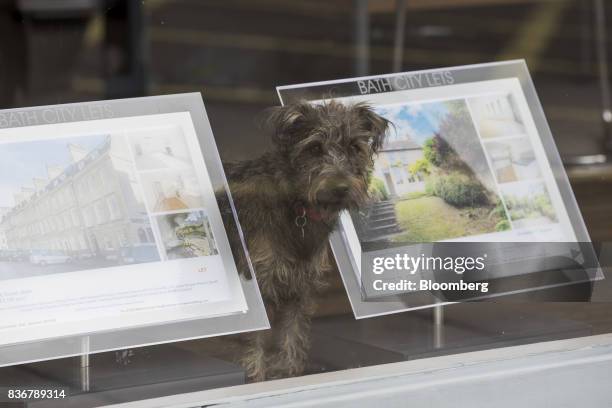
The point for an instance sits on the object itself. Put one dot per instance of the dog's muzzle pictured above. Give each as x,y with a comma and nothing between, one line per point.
334,195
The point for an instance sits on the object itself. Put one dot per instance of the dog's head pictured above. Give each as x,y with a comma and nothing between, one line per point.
329,150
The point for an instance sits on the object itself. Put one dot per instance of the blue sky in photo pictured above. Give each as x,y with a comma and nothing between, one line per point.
21,162
419,121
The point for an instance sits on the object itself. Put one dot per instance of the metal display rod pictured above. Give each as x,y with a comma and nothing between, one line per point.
438,327
601,52
84,366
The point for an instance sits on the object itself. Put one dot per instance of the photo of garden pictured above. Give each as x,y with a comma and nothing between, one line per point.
186,235
529,205
431,180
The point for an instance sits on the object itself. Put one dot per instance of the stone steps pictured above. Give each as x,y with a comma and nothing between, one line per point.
381,220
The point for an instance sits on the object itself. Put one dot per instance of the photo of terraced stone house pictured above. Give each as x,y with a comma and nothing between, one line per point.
71,204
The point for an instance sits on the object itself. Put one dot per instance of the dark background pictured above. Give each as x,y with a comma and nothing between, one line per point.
236,51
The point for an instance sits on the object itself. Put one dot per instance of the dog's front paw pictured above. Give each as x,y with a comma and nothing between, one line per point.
284,368
257,375
254,363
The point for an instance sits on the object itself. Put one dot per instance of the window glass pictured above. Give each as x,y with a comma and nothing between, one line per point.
235,52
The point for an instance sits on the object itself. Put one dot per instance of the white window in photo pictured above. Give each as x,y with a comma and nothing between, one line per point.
66,220
113,206
82,242
142,236
91,184
73,243
74,213
150,234
88,185
123,239
82,188
101,212
101,174
90,217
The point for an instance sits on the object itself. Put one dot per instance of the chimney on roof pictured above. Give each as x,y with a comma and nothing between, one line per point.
54,171
39,183
77,153
28,192
19,198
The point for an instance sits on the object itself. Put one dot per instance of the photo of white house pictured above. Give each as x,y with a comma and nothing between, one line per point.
160,148
513,160
393,163
167,190
497,116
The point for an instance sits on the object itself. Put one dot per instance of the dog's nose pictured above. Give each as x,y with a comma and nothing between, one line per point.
341,190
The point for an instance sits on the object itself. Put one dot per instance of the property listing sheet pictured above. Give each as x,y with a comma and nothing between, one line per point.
107,224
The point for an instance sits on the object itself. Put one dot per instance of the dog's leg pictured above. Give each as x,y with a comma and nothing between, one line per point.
254,358
294,336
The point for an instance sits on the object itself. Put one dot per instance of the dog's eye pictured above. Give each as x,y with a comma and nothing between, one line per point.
356,148
315,149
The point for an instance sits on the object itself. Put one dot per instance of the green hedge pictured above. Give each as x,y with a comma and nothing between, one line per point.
457,189
503,225
377,189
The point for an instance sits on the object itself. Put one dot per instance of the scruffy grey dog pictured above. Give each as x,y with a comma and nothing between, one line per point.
288,202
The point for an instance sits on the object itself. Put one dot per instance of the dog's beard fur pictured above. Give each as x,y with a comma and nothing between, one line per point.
356,197
322,160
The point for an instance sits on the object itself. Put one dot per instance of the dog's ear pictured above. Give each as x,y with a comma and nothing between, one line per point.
286,122
373,123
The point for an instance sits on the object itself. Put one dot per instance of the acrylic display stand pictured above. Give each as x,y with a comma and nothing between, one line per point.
342,342
100,379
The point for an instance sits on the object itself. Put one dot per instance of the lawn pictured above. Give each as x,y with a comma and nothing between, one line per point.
428,219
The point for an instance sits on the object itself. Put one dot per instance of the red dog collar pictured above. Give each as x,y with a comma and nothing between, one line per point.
309,212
